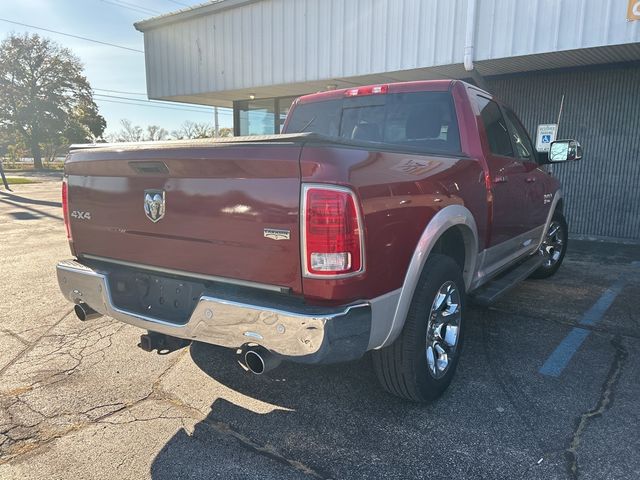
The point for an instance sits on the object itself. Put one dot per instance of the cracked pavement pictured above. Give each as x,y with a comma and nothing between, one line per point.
80,400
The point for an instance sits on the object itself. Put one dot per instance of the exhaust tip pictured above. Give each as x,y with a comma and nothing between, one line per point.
258,360
254,362
80,313
84,312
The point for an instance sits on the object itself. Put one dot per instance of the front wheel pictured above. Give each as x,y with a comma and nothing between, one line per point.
421,362
553,247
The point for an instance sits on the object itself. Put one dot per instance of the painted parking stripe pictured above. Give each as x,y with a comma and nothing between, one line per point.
562,355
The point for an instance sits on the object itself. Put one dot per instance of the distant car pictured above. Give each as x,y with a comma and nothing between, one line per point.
363,228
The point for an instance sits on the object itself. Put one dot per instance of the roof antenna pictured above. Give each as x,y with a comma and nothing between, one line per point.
559,116
550,167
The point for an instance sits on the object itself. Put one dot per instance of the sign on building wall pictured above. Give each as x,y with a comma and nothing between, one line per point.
546,134
633,11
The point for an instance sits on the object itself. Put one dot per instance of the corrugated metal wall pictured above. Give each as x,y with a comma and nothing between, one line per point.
276,42
508,28
602,111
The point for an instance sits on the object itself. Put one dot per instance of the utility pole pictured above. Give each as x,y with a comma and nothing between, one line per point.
4,179
216,125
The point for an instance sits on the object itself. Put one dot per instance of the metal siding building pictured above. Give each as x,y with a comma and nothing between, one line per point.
602,109
257,55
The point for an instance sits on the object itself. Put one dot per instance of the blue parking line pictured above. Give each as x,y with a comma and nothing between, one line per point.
562,355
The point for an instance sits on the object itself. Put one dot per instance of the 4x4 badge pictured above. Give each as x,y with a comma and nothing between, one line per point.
154,204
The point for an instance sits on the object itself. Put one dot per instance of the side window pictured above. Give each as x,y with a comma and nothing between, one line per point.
496,127
521,139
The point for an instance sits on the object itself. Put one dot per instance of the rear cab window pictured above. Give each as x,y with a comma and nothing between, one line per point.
421,121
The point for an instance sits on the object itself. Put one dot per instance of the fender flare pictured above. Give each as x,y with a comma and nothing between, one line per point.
448,217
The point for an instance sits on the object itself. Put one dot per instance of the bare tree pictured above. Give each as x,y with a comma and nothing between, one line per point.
128,132
191,129
225,132
188,130
156,133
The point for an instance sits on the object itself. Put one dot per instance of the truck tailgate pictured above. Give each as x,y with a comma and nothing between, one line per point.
230,210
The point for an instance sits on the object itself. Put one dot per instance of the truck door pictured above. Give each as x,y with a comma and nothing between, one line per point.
535,178
508,174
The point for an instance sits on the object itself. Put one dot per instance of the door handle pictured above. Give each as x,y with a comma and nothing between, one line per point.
530,179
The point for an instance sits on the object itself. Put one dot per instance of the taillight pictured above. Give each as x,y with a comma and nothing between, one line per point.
369,90
332,232
65,207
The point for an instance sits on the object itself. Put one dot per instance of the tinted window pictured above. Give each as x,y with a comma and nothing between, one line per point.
421,120
318,117
521,140
363,118
495,127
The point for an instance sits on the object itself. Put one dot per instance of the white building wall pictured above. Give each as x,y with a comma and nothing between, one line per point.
510,28
277,42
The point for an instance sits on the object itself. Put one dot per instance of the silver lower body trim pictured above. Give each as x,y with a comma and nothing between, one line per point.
494,260
312,336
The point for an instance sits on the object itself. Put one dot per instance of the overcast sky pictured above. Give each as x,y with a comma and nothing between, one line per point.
106,67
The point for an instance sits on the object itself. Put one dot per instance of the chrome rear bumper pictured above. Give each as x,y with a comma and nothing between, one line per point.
304,334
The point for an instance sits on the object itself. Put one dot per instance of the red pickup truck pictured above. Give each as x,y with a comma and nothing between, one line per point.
364,227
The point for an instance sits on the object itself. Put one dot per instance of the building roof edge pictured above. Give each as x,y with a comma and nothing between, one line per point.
190,13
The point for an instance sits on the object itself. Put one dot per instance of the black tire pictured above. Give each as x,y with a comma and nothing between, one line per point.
553,247
402,368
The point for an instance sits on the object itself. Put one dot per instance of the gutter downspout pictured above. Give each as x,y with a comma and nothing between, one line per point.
470,35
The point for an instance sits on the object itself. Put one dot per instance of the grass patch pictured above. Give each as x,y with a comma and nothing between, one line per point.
20,180
22,169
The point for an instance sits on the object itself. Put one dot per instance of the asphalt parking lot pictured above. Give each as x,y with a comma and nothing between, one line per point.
548,386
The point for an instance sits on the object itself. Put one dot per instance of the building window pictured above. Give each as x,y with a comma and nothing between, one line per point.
255,117
264,116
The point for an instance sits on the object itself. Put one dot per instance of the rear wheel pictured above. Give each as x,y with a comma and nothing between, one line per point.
421,362
553,247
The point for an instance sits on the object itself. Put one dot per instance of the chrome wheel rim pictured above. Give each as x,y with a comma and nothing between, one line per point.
552,245
443,329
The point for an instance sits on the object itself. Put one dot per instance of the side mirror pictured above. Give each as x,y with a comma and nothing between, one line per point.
564,151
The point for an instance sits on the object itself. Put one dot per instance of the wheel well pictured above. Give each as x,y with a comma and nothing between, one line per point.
451,243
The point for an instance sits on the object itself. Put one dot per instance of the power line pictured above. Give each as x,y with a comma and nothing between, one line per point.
119,91
73,36
203,107
167,107
189,107
133,9
135,101
179,3
136,5
152,106
132,6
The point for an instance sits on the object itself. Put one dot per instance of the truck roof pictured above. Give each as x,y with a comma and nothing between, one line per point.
397,87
